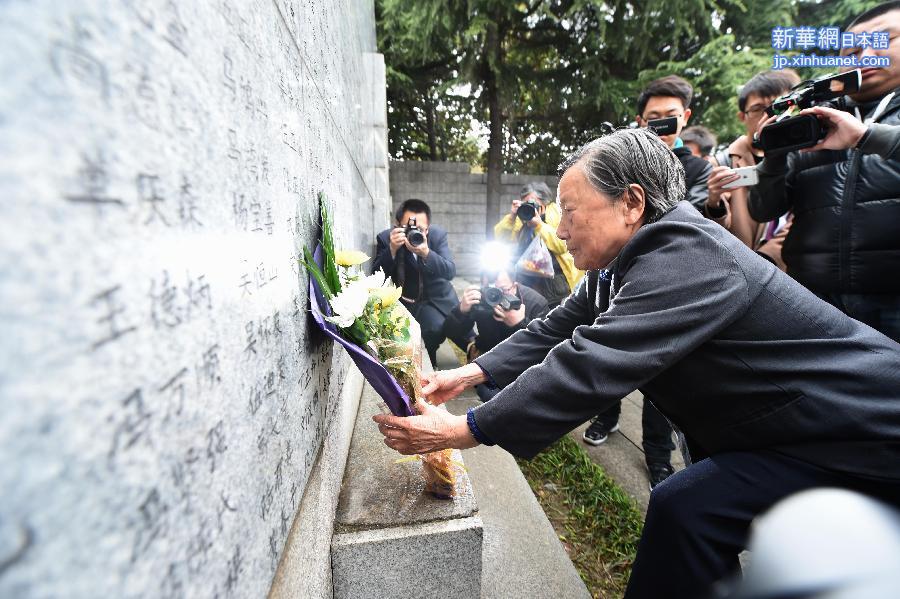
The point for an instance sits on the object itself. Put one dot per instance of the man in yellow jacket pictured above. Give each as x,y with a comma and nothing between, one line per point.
521,232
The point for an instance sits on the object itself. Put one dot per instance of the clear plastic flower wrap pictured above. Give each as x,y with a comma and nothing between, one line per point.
438,467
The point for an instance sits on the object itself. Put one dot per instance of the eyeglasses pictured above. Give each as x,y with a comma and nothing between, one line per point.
654,117
755,110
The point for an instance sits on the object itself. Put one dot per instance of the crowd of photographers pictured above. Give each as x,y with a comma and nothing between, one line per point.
813,185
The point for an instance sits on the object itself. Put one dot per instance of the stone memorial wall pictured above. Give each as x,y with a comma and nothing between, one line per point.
163,395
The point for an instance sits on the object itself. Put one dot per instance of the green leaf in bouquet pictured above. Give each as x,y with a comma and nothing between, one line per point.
310,264
356,333
329,266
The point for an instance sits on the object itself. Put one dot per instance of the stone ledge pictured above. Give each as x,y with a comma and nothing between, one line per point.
391,539
437,559
378,492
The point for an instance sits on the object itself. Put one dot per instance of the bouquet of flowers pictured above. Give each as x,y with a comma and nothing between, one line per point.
363,314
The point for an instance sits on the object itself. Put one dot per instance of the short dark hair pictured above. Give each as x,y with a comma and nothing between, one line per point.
670,86
873,12
701,136
540,189
413,205
768,84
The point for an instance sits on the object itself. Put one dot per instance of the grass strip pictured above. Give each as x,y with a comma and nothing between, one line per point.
596,520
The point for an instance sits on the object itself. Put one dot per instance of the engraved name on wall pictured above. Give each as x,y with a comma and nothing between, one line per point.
164,398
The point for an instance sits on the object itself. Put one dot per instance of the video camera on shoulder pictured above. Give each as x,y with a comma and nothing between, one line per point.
414,234
792,131
493,296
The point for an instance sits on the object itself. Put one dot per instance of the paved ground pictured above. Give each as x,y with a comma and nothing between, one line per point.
521,554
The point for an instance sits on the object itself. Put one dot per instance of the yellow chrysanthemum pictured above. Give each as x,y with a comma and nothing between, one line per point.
349,257
388,295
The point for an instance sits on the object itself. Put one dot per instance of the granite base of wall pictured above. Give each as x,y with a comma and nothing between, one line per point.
439,559
391,538
305,568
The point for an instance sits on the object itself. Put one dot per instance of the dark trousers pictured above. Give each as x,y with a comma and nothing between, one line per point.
698,519
879,311
431,321
657,432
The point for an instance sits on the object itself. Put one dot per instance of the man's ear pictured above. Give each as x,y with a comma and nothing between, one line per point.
741,116
633,205
687,115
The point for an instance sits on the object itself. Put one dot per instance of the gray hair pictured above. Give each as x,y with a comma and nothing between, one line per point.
540,189
613,162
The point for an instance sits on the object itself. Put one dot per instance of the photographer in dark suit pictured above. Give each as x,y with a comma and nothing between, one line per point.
775,390
415,255
510,308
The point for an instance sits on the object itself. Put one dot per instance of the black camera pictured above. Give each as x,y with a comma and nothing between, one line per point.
414,234
791,131
666,126
527,211
493,296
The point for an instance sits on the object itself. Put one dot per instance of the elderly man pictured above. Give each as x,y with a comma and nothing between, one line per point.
776,389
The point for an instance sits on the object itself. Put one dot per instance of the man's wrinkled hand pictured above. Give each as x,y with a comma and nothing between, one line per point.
433,429
442,386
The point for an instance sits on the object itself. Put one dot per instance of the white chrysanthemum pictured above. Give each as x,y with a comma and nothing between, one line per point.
374,281
350,303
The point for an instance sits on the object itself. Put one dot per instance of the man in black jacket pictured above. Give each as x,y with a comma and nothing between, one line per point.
844,244
423,269
671,96
495,324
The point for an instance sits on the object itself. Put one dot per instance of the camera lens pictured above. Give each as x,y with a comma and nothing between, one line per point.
491,296
526,211
415,238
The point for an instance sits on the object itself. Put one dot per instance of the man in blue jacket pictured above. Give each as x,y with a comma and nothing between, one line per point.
421,265
776,390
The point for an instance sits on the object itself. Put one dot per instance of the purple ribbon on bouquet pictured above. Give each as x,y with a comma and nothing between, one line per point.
374,371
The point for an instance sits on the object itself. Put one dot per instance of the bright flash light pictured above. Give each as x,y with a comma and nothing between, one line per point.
495,256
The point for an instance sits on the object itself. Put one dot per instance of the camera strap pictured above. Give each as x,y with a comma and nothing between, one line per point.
879,110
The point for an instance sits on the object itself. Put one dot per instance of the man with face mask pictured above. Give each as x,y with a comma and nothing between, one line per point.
844,192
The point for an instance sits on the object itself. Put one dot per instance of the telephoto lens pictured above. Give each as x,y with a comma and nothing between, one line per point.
527,211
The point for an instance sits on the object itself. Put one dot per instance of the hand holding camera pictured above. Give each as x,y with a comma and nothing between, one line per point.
471,297
492,300
843,129
411,237
805,117
718,178
510,317
397,240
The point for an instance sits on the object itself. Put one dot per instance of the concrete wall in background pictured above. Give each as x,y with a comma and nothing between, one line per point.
458,201
163,397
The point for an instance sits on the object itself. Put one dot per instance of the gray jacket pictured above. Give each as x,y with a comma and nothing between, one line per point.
735,353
